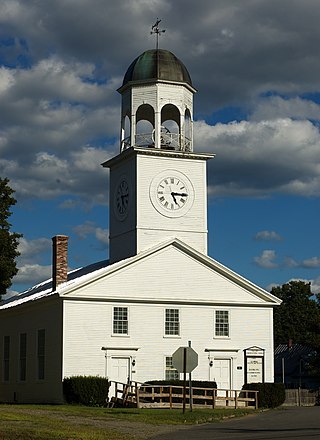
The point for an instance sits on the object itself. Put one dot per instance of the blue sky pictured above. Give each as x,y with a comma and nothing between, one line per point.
256,68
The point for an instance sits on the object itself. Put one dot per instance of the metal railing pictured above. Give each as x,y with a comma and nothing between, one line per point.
168,141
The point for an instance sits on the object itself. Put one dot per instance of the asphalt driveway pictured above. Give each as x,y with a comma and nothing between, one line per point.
285,423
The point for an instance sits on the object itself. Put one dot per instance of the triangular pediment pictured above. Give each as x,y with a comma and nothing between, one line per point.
170,272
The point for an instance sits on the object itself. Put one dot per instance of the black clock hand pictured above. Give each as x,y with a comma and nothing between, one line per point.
174,198
179,194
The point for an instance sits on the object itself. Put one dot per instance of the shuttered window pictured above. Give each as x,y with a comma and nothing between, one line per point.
23,357
41,351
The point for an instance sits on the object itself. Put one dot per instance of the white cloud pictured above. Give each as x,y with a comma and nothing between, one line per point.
32,273
276,107
313,262
267,236
30,249
89,228
290,262
315,285
266,259
258,158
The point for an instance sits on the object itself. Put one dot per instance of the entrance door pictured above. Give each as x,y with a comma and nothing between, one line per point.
222,373
118,371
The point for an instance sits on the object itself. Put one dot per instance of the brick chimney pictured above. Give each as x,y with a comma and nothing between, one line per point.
59,260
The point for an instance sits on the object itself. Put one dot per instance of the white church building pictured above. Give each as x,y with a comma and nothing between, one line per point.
124,318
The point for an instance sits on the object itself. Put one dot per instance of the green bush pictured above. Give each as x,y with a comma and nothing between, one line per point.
86,390
270,395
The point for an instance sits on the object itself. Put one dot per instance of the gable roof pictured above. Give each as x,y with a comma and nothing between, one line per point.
80,278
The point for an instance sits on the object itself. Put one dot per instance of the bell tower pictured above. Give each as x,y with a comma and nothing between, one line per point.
159,113
157,183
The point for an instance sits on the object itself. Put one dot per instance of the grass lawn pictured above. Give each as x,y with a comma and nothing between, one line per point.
68,422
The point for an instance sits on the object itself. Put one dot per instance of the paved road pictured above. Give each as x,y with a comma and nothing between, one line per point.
287,423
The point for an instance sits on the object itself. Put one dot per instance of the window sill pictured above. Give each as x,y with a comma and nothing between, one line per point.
222,337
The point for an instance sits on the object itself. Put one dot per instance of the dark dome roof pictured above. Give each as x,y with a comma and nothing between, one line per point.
157,64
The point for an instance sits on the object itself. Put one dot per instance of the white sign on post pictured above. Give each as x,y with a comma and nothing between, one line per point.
191,361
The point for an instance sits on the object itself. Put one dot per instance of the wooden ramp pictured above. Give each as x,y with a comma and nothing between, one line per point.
135,394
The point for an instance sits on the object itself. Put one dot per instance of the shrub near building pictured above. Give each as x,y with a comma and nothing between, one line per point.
270,395
86,390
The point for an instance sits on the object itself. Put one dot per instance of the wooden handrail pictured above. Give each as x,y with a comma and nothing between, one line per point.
172,395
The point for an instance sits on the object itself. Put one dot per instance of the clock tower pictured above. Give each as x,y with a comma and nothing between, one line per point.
158,186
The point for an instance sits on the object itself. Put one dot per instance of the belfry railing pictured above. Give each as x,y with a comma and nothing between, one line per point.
168,141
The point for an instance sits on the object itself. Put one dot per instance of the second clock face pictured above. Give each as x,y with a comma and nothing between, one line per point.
172,193
122,198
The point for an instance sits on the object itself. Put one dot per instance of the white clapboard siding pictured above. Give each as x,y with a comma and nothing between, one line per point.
147,344
168,275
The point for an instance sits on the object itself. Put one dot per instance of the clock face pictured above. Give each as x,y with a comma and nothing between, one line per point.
122,198
172,193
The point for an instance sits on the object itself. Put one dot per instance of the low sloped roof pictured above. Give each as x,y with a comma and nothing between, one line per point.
45,288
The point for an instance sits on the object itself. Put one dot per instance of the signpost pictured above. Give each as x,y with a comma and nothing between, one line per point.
185,360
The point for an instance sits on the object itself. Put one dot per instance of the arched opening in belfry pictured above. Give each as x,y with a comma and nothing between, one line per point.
125,135
170,127
188,135
145,121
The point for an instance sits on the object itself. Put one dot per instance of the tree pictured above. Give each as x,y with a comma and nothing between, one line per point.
298,317
8,240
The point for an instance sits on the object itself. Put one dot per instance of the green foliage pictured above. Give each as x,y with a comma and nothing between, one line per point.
270,395
298,317
8,240
86,390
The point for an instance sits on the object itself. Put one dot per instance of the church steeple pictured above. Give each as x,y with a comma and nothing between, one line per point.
157,103
157,183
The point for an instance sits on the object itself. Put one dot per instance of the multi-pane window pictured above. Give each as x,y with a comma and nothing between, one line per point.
172,323
41,353
120,320
170,373
222,323
6,358
23,357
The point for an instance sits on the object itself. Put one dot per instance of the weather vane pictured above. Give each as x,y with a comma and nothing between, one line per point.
157,31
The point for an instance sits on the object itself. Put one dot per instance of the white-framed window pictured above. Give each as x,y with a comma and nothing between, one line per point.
41,351
172,322
170,372
120,321
23,357
222,324
6,358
